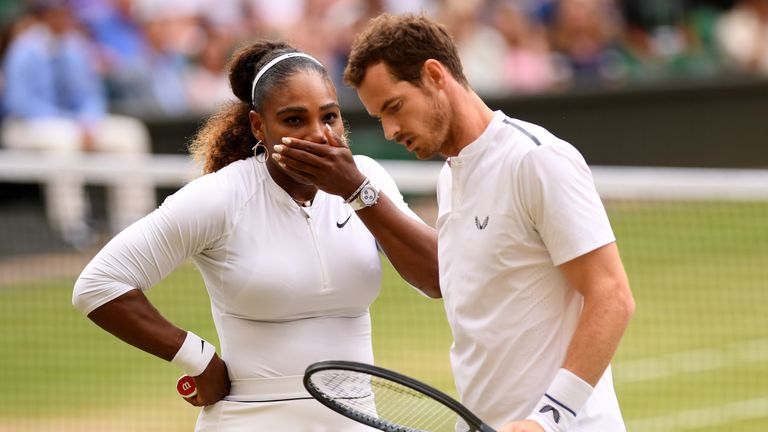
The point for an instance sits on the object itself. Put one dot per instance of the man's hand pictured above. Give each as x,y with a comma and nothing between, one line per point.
522,426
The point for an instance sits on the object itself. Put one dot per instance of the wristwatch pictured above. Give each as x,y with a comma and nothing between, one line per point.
365,196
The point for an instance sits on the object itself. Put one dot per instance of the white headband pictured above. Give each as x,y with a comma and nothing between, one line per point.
273,62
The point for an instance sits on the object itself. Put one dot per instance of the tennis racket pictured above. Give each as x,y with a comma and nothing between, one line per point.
387,400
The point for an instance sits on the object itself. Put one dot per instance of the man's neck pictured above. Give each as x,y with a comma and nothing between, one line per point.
471,117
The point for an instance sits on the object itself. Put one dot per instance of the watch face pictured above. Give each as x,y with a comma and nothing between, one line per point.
368,195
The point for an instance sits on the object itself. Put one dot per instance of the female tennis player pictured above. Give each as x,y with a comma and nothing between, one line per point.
291,268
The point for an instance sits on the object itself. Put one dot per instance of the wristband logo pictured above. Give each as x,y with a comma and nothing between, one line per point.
555,413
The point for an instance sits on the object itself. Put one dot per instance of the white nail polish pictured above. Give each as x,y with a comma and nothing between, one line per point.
277,148
286,140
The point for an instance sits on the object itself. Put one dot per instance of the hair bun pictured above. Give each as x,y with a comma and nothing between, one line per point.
245,64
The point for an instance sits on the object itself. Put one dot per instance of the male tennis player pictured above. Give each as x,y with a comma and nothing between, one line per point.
534,289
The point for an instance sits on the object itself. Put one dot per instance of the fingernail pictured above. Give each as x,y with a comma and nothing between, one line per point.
329,127
286,140
282,165
278,147
276,156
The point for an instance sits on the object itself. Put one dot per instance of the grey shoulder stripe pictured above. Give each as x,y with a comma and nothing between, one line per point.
520,128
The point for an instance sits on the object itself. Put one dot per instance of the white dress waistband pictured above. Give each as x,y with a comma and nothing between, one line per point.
268,389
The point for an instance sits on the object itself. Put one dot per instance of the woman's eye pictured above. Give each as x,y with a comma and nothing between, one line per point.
330,118
292,120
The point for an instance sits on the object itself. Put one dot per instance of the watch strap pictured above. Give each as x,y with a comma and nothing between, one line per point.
357,204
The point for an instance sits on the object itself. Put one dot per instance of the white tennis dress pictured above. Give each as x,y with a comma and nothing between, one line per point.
288,286
513,205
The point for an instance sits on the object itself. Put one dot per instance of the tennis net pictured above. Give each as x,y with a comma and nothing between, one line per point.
694,358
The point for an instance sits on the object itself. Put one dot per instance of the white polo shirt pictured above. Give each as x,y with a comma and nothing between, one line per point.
513,205
288,285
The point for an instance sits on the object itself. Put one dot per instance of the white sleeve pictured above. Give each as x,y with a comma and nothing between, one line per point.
188,222
384,181
559,194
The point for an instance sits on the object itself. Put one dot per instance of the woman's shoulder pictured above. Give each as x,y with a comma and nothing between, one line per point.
230,182
241,175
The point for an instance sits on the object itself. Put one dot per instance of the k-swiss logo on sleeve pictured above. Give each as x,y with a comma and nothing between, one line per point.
481,225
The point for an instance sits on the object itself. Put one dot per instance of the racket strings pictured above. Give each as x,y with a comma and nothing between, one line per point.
420,410
385,401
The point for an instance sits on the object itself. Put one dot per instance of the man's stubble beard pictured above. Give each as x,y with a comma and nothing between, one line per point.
440,124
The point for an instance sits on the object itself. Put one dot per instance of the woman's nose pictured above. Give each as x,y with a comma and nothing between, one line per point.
317,133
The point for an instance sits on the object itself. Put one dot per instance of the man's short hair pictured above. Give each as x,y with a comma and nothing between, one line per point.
403,43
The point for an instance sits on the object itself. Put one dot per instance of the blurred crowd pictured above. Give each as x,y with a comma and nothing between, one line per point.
168,57
85,75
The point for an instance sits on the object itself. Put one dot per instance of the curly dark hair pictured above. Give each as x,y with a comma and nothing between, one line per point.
403,43
226,136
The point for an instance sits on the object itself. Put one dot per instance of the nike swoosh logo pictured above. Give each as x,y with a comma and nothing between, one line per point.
341,225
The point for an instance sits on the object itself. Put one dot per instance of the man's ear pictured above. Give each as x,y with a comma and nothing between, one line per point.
433,73
256,125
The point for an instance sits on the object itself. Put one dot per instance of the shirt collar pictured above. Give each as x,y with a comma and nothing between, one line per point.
479,145
275,190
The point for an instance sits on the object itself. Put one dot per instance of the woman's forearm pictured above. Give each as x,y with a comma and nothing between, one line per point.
133,319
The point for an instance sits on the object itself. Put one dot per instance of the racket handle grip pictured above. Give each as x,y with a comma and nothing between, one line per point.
186,386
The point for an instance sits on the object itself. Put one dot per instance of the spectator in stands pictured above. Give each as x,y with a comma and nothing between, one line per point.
527,65
320,29
481,47
206,81
347,18
742,34
584,35
662,41
273,18
55,102
153,84
121,45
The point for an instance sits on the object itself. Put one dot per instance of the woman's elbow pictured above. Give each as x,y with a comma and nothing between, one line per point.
433,291
429,284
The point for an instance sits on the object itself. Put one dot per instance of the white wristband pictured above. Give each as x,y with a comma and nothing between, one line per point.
557,409
194,355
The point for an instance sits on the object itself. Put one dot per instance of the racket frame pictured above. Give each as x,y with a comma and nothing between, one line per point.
470,418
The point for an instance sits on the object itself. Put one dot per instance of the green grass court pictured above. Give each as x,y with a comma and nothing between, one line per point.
695,357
